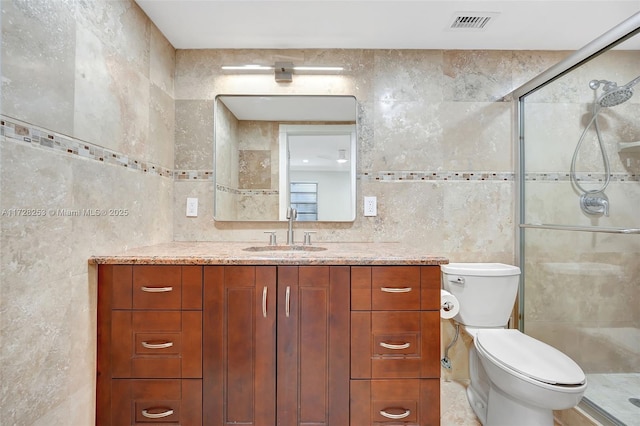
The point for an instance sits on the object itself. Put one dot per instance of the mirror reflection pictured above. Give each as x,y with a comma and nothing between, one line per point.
276,152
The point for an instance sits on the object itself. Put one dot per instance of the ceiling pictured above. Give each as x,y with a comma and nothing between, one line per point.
384,24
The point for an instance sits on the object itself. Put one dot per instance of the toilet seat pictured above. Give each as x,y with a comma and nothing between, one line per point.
514,350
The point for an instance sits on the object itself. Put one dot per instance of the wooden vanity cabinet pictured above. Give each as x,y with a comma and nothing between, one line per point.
276,345
149,361
268,345
395,345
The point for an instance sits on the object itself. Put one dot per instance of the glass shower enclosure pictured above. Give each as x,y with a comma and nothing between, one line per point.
579,190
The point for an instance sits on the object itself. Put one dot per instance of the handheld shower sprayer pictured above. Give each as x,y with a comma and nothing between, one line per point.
594,201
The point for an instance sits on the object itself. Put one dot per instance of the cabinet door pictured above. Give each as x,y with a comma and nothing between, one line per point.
313,345
239,345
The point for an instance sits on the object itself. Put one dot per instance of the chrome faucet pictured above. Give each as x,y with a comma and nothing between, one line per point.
595,203
292,214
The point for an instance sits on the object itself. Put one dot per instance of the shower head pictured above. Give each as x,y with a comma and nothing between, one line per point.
612,94
615,97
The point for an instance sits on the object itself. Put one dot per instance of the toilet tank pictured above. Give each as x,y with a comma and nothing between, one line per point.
486,292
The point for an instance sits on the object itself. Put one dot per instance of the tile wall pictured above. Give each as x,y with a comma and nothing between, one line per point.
434,143
86,161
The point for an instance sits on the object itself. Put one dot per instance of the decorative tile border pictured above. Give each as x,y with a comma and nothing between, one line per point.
397,176
11,129
184,175
582,177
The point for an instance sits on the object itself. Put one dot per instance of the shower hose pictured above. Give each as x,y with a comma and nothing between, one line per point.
605,159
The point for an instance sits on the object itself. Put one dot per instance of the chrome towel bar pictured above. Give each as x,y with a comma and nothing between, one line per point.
582,228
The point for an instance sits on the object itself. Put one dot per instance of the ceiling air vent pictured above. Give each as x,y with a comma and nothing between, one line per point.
472,20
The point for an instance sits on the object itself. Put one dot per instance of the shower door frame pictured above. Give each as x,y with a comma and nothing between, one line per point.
625,30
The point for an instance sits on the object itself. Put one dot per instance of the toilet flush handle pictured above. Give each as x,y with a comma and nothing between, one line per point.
457,280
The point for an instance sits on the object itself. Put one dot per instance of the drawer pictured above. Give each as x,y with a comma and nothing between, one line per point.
153,286
395,344
395,288
414,402
157,287
162,344
144,402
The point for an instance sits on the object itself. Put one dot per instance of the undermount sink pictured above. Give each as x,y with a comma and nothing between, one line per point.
285,248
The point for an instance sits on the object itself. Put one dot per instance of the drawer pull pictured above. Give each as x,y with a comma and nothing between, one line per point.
163,345
396,289
395,416
165,413
156,289
264,301
392,346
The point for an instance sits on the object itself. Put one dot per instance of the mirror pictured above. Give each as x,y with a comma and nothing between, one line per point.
276,151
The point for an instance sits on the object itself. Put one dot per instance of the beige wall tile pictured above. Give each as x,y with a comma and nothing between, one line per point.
79,69
42,46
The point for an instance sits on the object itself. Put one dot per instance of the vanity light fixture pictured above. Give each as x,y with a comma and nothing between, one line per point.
283,70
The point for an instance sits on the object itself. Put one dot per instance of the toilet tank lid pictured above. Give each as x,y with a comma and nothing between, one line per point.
480,269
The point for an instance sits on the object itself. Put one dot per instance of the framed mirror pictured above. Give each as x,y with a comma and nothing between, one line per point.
276,151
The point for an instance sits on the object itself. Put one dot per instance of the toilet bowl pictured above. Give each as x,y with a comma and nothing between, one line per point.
530,378
515,379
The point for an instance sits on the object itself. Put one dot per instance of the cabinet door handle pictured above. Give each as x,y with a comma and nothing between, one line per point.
287,303
163,345
156,289
395,416
149,415
393,346
396,289
264,301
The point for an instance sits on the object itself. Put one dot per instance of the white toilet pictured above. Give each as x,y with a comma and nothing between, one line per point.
515,379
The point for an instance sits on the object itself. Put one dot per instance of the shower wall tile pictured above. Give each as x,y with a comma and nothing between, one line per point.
542,150
39,41
558,203
627,68
551,147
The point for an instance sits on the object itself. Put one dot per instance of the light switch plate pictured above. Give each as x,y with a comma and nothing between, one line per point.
370,206
192,207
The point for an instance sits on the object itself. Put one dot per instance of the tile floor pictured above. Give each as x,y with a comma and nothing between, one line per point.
611,392
454,407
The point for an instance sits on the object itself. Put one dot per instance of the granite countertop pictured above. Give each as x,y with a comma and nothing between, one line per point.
233,253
